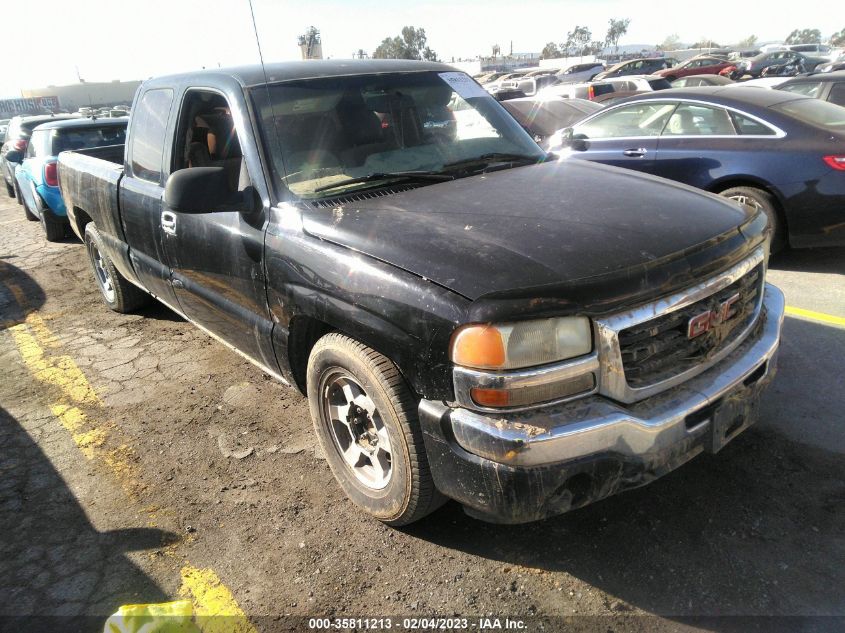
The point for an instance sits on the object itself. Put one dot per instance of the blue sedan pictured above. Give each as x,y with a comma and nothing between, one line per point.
780,152
37,176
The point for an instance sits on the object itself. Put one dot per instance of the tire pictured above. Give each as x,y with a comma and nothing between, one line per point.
29,214
762,200
18,195
10,190
118,294
53,230
346,379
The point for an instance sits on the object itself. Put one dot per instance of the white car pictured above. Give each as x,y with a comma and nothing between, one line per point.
760,82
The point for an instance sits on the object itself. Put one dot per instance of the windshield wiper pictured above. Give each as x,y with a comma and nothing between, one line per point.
401,175
497,157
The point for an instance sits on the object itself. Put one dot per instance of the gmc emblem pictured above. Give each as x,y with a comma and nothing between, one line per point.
701,323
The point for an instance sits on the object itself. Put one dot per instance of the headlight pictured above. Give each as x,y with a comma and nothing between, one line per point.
522,344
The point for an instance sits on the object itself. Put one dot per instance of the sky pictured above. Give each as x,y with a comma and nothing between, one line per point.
102,41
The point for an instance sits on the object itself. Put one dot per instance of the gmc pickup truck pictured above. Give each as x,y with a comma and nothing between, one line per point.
469,316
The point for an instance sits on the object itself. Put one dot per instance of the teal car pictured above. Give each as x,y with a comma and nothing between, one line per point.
37,175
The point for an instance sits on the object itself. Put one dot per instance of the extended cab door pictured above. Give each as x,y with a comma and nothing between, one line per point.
142,191
216,258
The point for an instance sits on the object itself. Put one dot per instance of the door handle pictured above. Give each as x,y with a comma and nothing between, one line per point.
635,152
168,222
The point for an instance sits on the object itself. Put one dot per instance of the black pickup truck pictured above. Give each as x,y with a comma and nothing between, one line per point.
469,316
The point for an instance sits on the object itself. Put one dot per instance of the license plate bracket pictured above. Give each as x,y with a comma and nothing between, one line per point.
732,416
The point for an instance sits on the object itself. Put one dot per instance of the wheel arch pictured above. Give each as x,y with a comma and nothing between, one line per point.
757,183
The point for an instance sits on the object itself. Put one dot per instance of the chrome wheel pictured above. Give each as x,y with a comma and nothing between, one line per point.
103,276
357,429
746,200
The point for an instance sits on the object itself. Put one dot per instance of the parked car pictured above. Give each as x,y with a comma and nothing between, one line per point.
644,66
644,83
453,309
695,81
824,86
580,72
704,65
4,125
814,50
531,82
769,83
17,138
784,154
36,177
589,90
498,84
838,64
615,97
755,66
542,117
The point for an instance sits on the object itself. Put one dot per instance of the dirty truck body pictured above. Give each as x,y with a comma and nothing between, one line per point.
546,333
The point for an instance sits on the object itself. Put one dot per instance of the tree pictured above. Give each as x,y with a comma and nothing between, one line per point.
594,48
804,36
550,51
577,39
411,44
838,39
705,43
748,42
615,31
671,43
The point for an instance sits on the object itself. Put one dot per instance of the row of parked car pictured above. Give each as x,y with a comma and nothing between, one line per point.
29,160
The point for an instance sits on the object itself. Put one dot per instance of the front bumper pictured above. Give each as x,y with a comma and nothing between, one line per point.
519,467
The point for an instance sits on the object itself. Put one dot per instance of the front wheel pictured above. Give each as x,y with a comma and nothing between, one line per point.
763,200
10,190
365,417
119,294
26,210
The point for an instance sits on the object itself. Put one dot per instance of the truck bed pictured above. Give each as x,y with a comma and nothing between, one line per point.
89,184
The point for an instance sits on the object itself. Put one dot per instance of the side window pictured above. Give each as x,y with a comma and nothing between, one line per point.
30,148
206,137
747,126
837,94
148,128
691,120
806,88
636,119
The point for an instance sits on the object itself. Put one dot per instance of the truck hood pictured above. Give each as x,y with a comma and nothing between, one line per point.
551,225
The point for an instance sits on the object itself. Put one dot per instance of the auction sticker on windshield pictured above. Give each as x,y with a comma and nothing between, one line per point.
464,85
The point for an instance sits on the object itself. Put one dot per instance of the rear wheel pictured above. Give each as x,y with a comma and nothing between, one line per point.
26,210
119,294
763,200
365,417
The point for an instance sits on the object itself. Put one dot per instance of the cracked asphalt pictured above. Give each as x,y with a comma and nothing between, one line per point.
133,447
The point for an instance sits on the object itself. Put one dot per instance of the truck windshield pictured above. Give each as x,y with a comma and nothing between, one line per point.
320,133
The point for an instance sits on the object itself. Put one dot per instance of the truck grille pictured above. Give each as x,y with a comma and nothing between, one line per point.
661,348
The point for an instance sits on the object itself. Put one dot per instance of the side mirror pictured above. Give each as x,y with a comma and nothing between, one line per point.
14,156
206,190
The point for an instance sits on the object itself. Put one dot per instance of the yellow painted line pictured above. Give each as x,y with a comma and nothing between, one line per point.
821,317
215,608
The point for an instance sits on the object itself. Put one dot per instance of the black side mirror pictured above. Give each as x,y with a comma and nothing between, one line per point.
206,190
579,142
14,156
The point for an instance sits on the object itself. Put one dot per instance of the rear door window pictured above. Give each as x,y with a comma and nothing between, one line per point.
807,88
814,112
148,129
837,93
746,126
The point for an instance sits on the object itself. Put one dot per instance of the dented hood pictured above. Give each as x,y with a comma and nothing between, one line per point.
551,225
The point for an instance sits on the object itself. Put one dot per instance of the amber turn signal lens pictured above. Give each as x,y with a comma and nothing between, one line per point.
490,397
479,346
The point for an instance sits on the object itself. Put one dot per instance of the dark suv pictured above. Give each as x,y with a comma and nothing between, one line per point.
644,66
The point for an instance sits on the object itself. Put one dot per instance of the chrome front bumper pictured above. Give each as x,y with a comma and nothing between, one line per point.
595,425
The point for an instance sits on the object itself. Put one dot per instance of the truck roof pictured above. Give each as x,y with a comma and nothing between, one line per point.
253,75
83,123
